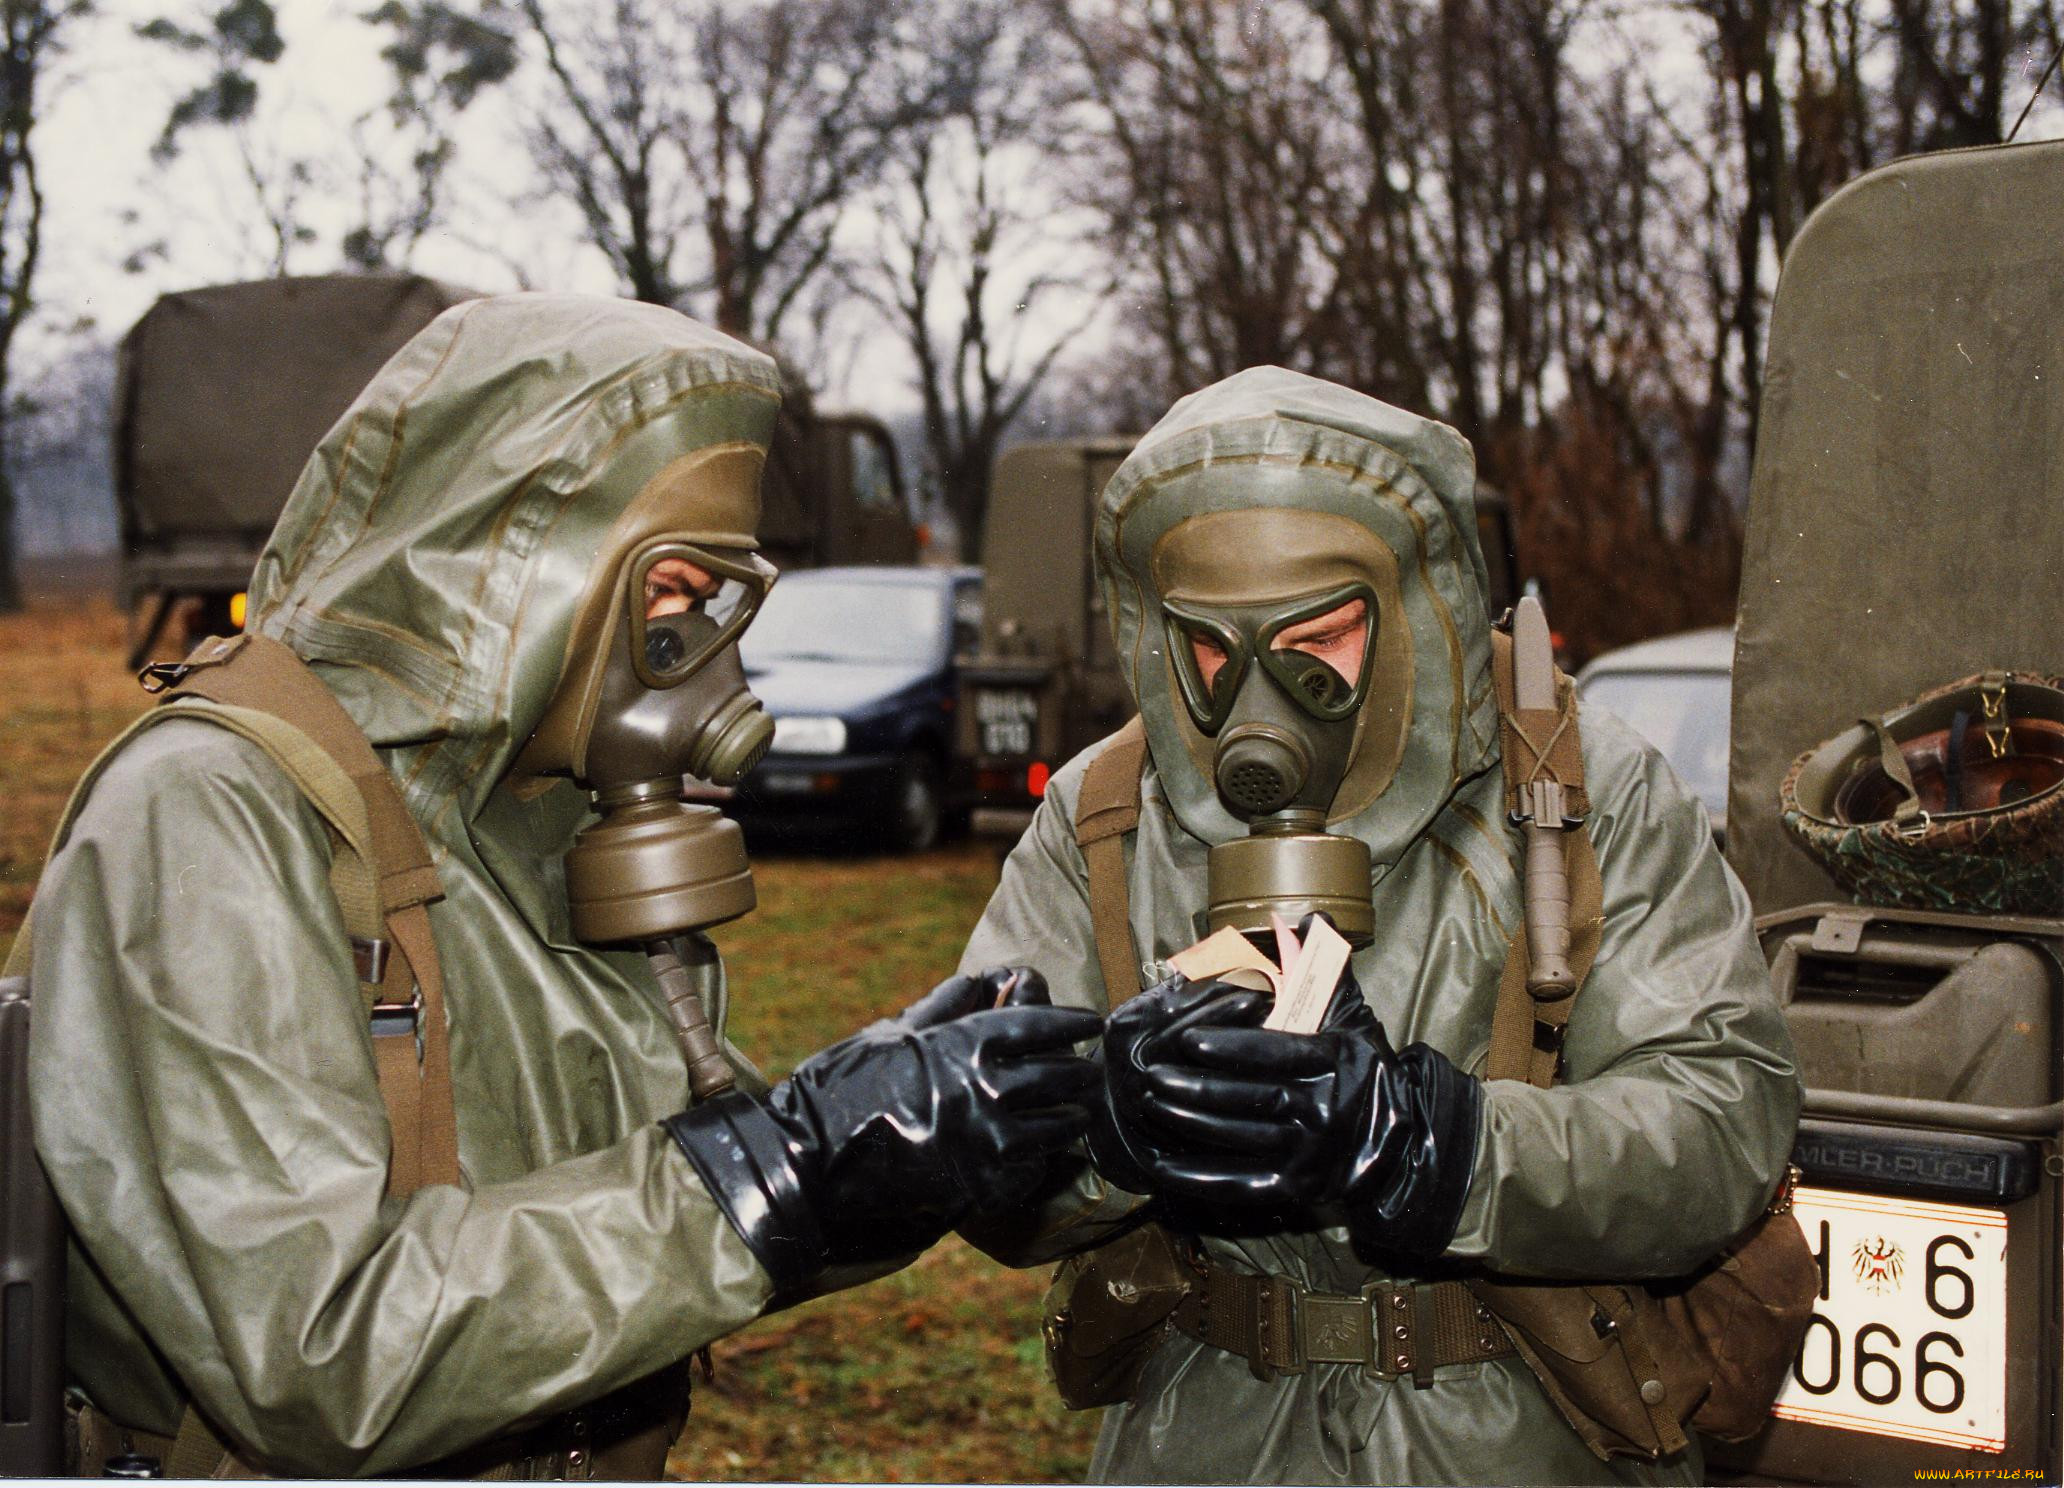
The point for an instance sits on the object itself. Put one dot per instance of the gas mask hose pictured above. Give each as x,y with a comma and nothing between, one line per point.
709,1073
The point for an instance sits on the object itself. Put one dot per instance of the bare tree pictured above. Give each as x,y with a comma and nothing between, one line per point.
1206,156
712,153
969,270
441,59
234,44
35,34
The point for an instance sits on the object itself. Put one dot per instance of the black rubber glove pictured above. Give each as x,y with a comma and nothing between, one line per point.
1124,1149
875,1147
1282,1122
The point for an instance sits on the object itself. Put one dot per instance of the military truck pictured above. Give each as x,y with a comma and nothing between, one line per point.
1906,529
1043,685
222,394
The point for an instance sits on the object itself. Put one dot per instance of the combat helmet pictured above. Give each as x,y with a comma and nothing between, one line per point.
1954,801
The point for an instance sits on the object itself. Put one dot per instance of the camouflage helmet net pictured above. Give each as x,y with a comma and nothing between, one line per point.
2002,855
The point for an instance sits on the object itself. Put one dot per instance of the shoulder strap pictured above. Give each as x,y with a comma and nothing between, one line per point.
261,674
285,708
1108,808
380,870
1543,745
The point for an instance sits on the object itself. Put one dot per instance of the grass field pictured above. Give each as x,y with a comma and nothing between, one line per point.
929,1375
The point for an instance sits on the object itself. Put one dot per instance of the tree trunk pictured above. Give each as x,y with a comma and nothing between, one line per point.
10,571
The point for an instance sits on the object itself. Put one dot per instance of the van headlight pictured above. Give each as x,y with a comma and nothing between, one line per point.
809,735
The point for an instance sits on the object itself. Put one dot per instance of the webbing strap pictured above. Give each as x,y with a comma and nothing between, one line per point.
380,869
194,1452
197,1452
293,715
436,1139
259,673
1107,808
1392,1329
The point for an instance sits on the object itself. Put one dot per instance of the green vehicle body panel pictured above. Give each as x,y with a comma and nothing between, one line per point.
1904,531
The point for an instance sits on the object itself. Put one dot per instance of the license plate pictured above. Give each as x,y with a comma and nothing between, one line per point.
1909,1336
1006,718
776,784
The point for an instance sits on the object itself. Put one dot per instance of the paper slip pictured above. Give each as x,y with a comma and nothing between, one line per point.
1302,995
1308,989
1222,953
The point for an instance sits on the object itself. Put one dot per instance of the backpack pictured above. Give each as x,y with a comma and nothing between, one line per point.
1629,1366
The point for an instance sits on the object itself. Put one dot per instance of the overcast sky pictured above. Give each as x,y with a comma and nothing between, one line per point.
123,229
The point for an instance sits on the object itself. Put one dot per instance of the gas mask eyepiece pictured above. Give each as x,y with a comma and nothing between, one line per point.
673,702
1278,686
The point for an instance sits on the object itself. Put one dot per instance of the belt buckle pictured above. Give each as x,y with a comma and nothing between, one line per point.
400,1020
1336,1329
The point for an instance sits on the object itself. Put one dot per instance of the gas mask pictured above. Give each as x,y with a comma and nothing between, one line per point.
1254,503
642,702
1288,654
672,702
1284,720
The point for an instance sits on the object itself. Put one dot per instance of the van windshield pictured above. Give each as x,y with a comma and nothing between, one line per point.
806,618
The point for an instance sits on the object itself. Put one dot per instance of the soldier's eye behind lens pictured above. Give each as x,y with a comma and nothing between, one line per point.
674,586
1339,638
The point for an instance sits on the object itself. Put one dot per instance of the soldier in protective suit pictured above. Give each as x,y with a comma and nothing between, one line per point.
507,564
1323,1185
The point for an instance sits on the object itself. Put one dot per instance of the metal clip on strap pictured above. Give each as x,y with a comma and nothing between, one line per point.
396,1019
370,957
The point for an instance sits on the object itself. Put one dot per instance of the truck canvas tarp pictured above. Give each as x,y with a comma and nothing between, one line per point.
221,396
1906,529
223,393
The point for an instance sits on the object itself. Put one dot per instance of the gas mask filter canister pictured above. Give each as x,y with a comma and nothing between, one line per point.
673,701
1284,723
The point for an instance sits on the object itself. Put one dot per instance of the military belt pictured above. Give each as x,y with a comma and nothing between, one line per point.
1391,1329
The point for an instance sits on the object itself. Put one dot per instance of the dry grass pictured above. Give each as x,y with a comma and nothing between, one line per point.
63,694
929,1375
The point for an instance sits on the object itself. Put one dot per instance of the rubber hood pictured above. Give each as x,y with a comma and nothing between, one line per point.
440,546
1272,484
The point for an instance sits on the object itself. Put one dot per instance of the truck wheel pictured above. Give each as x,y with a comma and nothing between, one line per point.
915,813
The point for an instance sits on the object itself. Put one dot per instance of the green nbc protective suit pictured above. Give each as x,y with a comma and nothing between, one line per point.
1680,1100
203,1084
